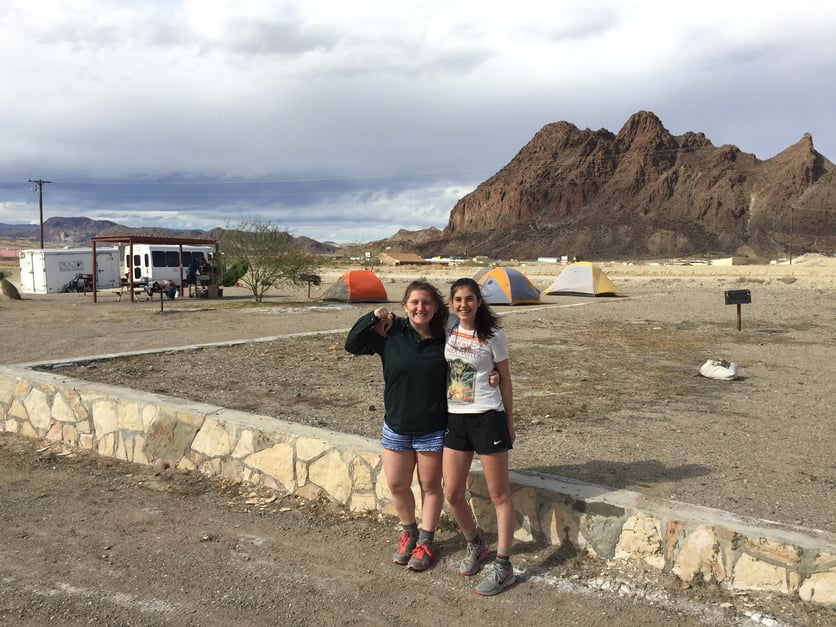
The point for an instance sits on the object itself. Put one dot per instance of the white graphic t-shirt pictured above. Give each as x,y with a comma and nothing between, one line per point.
469,364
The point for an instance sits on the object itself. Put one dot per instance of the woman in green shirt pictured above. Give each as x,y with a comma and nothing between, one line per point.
411,350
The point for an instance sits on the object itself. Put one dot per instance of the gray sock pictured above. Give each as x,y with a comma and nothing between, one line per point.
474,538
426,537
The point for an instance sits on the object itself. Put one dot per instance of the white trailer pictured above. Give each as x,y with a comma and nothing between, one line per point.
161,262
50,270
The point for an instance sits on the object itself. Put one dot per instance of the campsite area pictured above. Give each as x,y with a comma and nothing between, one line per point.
606,389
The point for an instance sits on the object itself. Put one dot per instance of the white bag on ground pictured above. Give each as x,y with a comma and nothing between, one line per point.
719,369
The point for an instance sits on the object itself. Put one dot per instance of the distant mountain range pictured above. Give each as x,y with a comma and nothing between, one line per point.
640,193
79,231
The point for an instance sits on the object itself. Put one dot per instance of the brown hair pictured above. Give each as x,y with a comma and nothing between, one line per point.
439,319
486,320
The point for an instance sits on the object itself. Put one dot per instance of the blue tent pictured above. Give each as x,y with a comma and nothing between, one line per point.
506,286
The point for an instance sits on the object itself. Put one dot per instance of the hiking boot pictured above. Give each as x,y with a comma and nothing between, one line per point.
405,547
496,581
475,554
422,557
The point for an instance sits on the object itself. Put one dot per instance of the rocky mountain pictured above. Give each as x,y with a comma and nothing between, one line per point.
642,193
319,248
430,234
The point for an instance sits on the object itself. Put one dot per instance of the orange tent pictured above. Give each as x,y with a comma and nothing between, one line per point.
356,286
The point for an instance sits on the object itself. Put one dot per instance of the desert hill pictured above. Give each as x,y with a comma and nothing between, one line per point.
642,193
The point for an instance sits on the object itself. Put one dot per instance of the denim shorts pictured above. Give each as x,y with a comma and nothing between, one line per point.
431,442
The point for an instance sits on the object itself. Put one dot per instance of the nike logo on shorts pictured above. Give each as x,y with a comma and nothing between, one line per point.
497,442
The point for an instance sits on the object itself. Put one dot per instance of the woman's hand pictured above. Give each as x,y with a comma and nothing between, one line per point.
494,378
385,319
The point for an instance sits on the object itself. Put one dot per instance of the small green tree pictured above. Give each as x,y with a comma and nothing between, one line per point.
270,254
233,273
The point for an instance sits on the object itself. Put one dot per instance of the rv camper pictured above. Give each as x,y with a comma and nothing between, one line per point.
50,270
161,262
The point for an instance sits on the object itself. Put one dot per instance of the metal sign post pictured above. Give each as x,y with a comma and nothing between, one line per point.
310,279
738,297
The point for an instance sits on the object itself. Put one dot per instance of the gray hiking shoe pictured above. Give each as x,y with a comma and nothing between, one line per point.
422,557
475,554
405,547
496,581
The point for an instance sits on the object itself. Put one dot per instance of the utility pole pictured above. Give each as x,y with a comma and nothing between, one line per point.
40,184
792,212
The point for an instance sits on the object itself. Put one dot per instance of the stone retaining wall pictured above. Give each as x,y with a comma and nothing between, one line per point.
692,542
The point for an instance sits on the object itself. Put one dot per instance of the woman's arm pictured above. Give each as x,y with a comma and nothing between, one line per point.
360,340
506,391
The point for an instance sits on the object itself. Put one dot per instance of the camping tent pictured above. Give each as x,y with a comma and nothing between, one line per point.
506,286
356,286
583,278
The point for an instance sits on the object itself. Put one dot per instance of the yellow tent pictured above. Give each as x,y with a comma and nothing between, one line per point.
583,278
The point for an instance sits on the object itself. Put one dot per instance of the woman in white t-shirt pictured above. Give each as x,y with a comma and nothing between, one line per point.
481,420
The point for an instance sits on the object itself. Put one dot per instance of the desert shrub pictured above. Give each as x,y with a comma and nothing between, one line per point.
271,254
235,272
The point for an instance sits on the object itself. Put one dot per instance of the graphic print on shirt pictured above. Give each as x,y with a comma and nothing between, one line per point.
461,381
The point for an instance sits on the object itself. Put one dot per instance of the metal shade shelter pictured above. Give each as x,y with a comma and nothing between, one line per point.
130,240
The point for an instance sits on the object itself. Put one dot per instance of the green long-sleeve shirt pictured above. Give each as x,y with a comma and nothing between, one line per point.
414,374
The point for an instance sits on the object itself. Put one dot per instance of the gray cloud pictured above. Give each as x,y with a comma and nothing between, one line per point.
327,115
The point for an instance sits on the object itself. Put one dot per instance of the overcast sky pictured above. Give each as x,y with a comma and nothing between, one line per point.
347,121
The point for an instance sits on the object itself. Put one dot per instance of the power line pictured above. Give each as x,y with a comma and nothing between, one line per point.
600,167
40,184
608,156
605,157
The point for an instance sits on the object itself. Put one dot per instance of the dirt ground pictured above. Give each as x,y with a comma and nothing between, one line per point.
89,540
606,391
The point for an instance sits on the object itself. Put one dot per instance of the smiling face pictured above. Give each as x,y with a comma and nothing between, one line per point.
464,304
420,307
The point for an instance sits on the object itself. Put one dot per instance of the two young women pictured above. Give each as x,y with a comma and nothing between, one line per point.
434,363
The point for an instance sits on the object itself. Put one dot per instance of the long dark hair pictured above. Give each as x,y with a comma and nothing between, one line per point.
486,320
439,319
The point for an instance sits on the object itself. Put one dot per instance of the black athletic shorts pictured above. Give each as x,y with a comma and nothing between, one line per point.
483,433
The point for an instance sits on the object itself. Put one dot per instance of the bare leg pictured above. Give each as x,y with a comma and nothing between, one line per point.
399,467
456,465
495,467
432,498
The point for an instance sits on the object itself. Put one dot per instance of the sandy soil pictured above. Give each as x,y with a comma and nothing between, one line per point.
606,390
89,540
